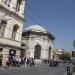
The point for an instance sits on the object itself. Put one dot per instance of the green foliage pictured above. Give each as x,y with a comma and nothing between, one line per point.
65,56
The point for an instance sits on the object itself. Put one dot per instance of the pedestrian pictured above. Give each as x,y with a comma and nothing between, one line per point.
7,63
30,62
14,61
27,63
33,64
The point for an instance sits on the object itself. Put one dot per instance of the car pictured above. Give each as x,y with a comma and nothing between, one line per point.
54,63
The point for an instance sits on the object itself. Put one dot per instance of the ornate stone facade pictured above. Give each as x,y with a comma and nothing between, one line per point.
11,25
38,42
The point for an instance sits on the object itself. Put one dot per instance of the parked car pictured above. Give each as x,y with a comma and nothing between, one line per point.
54,63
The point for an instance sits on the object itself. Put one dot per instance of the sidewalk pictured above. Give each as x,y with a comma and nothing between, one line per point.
10,68
73,73
2,69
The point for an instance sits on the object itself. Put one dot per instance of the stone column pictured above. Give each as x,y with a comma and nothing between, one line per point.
5,54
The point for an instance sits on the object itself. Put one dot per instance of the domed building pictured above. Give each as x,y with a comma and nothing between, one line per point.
37,42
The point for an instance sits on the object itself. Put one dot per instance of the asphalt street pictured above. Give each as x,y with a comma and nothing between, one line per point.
43,69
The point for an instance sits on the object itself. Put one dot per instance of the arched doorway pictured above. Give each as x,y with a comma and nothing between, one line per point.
49,52
37,52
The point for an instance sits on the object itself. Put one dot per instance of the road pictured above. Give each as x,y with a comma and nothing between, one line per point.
43,69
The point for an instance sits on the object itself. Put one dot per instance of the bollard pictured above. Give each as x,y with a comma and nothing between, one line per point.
68,70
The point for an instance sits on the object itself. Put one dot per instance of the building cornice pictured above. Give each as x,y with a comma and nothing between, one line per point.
11,46
9,12
27,33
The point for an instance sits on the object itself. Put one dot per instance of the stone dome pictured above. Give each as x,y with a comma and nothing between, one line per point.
36,28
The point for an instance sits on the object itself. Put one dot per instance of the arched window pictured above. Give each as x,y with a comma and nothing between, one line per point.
2,27
14,32
18,5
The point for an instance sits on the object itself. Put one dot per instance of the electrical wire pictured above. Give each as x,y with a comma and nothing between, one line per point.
39,17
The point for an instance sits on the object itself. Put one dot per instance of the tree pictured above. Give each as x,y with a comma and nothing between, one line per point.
65,56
